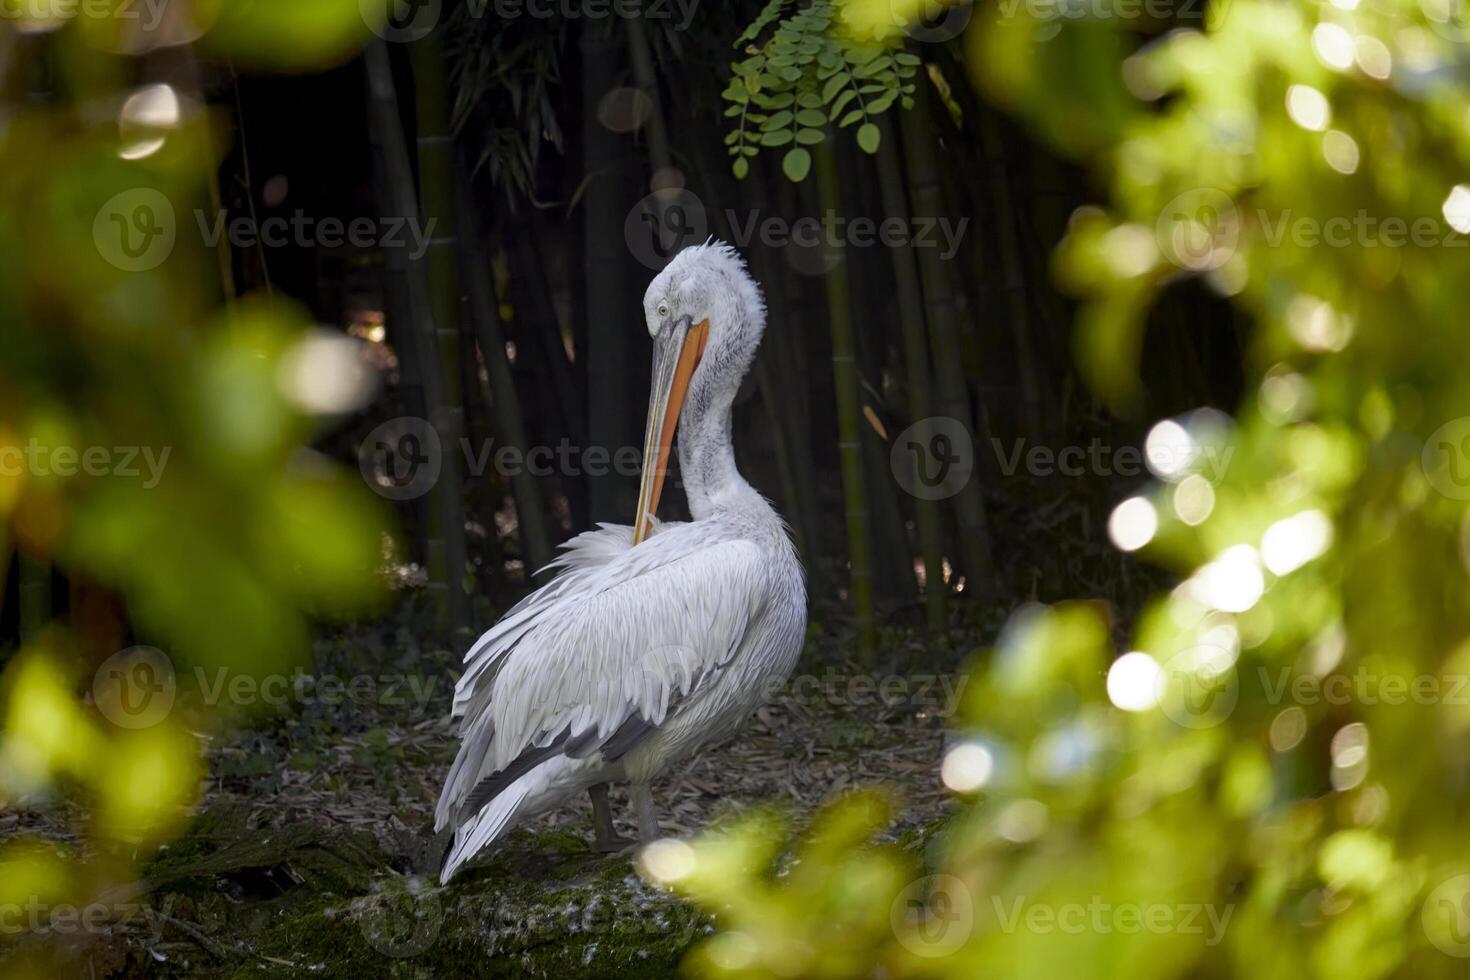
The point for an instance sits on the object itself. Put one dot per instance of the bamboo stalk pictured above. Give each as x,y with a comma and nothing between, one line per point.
793,369
34,586
952,399
484,308
444,526
1013,277
440,262
916,364
849,418
641,56
613,369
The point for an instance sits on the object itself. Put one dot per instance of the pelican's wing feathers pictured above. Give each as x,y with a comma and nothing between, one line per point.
600,656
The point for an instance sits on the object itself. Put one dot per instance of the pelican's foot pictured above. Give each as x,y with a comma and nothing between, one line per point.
605,840
647,818
612,844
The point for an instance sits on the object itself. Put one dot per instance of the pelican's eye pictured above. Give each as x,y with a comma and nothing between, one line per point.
663,311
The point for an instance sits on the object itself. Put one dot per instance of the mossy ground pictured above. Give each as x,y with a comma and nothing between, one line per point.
311,852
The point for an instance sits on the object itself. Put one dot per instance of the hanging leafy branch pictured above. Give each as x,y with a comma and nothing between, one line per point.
805,77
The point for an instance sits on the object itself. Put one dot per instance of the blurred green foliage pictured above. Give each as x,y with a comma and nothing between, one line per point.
1273,781
150,444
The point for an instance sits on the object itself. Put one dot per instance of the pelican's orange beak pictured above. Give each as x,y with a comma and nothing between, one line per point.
677,351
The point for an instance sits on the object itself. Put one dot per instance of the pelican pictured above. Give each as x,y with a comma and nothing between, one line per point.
651,641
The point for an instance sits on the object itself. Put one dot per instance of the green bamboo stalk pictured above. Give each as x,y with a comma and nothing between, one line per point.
791,364
849,418
444,546
926,198
440,261
641,56
484,307
34,584
1013,276
916,363
612,299
894,577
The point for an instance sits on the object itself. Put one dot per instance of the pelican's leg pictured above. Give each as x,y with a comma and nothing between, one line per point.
647,820
606,841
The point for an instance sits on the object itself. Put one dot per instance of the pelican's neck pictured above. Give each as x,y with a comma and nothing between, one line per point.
707,452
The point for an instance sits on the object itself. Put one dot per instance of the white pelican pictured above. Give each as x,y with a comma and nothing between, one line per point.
652,641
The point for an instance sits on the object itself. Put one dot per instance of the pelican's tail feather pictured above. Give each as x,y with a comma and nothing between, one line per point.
524,796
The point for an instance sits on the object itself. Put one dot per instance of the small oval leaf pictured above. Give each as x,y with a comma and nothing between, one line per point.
796,164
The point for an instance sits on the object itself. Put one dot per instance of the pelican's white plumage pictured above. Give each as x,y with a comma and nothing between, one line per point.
634,657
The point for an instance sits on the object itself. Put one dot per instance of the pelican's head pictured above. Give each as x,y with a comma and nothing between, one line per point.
706,316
